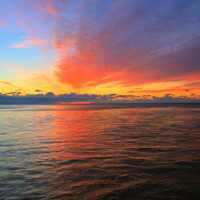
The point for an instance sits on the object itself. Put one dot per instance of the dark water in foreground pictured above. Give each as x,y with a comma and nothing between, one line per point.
70,152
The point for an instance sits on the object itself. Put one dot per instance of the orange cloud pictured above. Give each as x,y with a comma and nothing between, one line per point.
80,64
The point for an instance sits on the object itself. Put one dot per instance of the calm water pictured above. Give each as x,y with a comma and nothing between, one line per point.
70,152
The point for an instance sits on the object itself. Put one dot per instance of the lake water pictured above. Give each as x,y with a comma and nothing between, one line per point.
99,153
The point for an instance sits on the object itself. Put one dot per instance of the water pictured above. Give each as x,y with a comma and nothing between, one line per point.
81,152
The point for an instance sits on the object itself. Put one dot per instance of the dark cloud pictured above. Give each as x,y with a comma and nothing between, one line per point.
141,40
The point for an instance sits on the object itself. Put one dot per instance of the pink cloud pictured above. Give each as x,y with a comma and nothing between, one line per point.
30,42
2,23
51,8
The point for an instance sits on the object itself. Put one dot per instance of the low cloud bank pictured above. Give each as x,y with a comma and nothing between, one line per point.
50,98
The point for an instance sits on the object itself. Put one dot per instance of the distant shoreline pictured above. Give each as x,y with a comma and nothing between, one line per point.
100,100
111,104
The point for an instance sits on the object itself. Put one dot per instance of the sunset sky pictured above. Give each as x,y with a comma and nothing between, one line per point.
124,47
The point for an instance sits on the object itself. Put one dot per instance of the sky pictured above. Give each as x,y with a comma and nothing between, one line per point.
130,48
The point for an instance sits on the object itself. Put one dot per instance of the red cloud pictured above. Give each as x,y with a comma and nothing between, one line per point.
80,65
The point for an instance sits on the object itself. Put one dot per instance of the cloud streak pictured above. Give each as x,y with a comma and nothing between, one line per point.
28,43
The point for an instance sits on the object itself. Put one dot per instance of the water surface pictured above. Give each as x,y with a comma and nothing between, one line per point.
92,153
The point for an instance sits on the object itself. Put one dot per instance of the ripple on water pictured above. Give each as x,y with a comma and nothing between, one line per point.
57,152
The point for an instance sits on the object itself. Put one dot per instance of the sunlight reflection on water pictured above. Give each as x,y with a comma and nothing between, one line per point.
66,152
